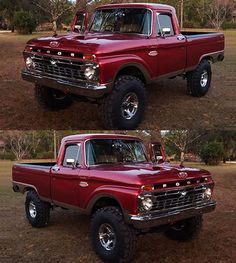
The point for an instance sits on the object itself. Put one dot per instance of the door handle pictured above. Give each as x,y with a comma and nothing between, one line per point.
55,168
181,37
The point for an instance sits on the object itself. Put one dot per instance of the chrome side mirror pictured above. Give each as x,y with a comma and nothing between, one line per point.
70,162
165,31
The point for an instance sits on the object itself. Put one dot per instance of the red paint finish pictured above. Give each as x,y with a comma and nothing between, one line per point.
120,181
115,51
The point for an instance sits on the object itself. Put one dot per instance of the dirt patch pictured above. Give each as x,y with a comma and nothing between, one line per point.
168,105
66,238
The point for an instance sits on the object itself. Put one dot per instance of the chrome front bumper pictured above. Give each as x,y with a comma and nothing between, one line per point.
158,219
80,88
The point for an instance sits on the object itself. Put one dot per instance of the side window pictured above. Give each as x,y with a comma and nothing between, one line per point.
73,151
164,21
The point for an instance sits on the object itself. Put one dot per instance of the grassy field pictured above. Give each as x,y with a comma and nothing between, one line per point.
168,105
66,238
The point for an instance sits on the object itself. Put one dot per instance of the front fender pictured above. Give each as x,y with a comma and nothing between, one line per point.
111,66
125,196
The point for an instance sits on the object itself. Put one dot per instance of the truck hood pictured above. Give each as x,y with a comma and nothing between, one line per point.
92,43
145,173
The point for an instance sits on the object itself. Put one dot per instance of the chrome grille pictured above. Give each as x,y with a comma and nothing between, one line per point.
63,68
174,199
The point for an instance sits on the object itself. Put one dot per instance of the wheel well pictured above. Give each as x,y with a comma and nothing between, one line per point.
105,201
28,188
209,58
132,71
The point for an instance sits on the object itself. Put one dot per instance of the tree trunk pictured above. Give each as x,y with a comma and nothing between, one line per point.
54,26
182,154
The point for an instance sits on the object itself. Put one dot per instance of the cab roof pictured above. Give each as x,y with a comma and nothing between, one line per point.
140,5
83,137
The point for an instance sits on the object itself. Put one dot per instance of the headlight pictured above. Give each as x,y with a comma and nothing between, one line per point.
207,194
146,203
29,63
89,72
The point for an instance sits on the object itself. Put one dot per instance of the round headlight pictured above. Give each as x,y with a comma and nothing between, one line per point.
147,203
29,63
207,193
89,73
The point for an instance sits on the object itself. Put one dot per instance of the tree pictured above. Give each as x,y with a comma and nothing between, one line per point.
181,139
218,11
55,9
8,8
212,153
24,22
19,143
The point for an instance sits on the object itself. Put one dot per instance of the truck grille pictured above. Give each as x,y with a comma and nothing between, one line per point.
63,68
174,199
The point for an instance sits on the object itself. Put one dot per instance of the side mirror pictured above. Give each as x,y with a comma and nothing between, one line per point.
165,31
156,152
70,162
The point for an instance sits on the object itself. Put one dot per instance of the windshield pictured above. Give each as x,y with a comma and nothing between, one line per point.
105,151
122,20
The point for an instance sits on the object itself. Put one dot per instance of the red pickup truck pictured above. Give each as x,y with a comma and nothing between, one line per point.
109,62
111,178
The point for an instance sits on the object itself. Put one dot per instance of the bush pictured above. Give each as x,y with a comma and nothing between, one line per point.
24,22
7,156
44,155
212,153
228,25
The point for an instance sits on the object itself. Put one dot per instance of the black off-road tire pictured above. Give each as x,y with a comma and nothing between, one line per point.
111,105
194,87
185,230
126,239
51,99
42,210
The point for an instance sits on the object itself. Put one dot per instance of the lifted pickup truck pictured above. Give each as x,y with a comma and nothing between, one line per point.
109,62
111,178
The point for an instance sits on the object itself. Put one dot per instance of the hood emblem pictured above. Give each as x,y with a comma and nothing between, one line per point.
182,175
183,194
54,44
53,62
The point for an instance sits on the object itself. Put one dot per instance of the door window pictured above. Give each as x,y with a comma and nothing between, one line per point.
164,21
73,152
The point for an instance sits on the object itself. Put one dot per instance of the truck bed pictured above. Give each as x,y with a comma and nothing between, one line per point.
203,44
33,174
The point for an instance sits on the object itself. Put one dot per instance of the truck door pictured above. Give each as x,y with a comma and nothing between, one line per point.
171,46
65,176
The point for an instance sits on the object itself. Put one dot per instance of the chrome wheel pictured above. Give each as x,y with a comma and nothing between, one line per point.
32,209
107,236
204,79
129,105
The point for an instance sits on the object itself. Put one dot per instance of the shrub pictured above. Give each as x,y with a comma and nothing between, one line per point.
228,25
212,153
44,155
7,156
24,22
